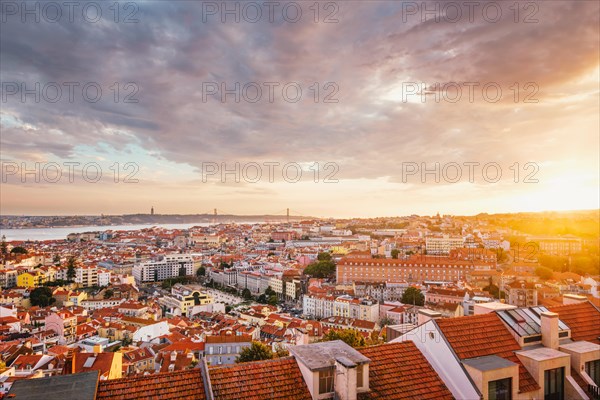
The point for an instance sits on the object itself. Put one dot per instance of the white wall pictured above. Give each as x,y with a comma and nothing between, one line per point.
149,332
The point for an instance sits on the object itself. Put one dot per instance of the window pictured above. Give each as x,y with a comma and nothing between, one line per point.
554,384
592,368
500,389
359,376
326,381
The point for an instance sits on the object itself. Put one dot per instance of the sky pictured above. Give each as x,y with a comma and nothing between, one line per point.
331,109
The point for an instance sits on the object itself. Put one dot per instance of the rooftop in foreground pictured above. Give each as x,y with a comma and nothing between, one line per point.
318,356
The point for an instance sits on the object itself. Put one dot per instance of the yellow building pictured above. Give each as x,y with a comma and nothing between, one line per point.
77,297
339,250
182,300
31,279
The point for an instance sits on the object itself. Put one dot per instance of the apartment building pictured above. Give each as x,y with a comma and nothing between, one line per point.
97,304
226,277
86,276
8,278
293,289
442,245
558,245
64,323
206,240
521,294
163,267
31,278
436,295
104,277
225,348
325,306
414,269
381,291
183,299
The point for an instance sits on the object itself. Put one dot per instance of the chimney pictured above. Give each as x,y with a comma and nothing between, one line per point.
550,329
425,315
97,349
301,336
69,365
345,379
573,299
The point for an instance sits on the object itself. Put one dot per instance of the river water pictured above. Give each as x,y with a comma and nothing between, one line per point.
61,233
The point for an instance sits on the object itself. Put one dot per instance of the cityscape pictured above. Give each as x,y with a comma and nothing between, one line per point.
293,200
180,313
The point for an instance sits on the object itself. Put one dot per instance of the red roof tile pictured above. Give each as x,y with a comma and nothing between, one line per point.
272,379
165,386
582,318
485,335
400,371
228,339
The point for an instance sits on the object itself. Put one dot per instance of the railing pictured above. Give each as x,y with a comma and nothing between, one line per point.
594,391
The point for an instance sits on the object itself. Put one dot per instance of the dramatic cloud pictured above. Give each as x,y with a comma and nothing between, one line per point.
383,62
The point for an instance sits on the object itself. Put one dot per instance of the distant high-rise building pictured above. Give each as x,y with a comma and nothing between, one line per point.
152,210
168,266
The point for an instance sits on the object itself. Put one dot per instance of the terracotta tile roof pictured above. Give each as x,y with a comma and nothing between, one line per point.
582,318
228,339
184,345
103,362
165,386
400,371
272,379
485,335
170,362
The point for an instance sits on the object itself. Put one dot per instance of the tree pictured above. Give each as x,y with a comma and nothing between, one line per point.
281,351
269,291
544,272
585,265
41,296
493,290
349,336
246,294
56,259
324,256
412,295
374,339
201,271
71,268
256,352
395,253
18,250
4,246
262,299
108,294
320,269
555,263
272,300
